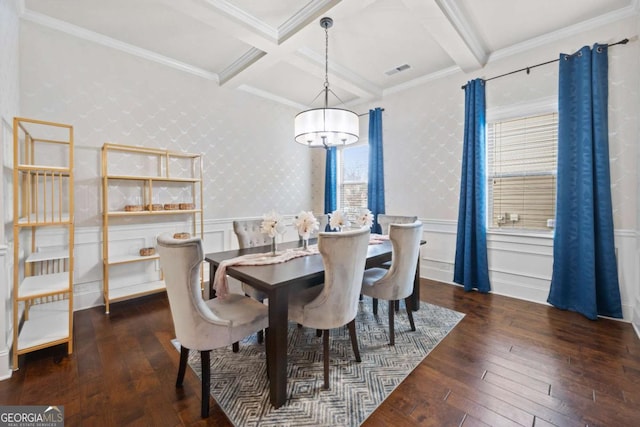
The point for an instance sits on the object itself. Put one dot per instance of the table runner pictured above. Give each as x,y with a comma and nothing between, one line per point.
221,284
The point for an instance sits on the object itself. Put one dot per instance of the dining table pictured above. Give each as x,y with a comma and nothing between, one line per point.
277,281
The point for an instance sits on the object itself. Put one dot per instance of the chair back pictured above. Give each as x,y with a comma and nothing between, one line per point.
180,260
405,240
386,220
249,234
344,255
323,220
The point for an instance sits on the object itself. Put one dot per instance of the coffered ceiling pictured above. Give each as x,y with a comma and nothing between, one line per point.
276,48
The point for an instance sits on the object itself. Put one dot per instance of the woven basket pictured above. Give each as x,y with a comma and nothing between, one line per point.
147,251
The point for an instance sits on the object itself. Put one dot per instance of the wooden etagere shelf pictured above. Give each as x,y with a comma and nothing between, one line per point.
166,186
42,293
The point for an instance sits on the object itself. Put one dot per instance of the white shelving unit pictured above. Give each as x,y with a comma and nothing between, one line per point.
42,292
160,178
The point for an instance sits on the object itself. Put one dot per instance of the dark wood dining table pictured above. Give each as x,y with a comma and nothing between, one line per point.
277,281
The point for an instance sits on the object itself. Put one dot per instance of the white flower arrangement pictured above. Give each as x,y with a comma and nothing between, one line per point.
364,218
272,224
338,220
306,224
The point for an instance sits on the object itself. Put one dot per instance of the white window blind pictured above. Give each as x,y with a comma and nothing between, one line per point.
522,163
353,179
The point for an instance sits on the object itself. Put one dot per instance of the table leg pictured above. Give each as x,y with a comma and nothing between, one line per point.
276,342
212,273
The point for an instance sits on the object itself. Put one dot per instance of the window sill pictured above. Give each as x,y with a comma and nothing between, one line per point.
541,234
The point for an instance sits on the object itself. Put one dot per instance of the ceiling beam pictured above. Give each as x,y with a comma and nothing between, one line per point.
448,26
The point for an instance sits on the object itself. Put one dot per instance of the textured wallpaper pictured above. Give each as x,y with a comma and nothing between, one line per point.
251,163
9,22
9,104
424,125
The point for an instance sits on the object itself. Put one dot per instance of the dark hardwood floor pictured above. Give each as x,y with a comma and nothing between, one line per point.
508,362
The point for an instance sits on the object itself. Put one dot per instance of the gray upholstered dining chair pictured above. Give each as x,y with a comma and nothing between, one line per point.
323,220
203,325
386,220
249,234
335,303
396,283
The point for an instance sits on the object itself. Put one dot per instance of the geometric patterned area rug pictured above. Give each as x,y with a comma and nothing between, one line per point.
240,386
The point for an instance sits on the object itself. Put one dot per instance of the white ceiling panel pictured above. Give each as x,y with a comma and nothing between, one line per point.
503,23
276,48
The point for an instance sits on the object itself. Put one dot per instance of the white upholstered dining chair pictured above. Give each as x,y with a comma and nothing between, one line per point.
249,234
386,220
323,220
396,283
335,303
203,325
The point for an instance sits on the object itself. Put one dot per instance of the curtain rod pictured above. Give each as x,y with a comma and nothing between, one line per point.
528,69
367,113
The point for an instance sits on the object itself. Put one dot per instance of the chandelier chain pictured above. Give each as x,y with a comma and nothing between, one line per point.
326,67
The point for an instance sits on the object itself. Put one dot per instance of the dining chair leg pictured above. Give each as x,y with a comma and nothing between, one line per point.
375,306
182,367
397,305
392,339
260,336
409,307
354,339
318,333
325,356
235,347
206,382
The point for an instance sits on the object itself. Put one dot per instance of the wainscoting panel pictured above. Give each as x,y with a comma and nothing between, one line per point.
5,317
520,264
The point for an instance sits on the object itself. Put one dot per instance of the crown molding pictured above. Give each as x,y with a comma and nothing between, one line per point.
240,64
82,33
554,36
270,96
466,31
422,80
302,17
240,15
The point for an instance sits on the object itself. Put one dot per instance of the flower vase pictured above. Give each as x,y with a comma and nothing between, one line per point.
305,244
274,246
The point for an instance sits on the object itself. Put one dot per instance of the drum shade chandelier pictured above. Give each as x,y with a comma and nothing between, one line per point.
326,127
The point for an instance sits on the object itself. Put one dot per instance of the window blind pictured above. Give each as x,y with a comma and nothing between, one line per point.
353,179
522,163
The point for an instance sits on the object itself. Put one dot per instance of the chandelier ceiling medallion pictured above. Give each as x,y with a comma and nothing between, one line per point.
326,127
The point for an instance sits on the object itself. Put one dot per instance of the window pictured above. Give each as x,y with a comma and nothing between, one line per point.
521,172
353,170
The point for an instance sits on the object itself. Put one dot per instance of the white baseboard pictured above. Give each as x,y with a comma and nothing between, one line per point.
5,363
636,317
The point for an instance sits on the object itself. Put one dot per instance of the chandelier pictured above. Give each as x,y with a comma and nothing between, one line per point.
326,127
